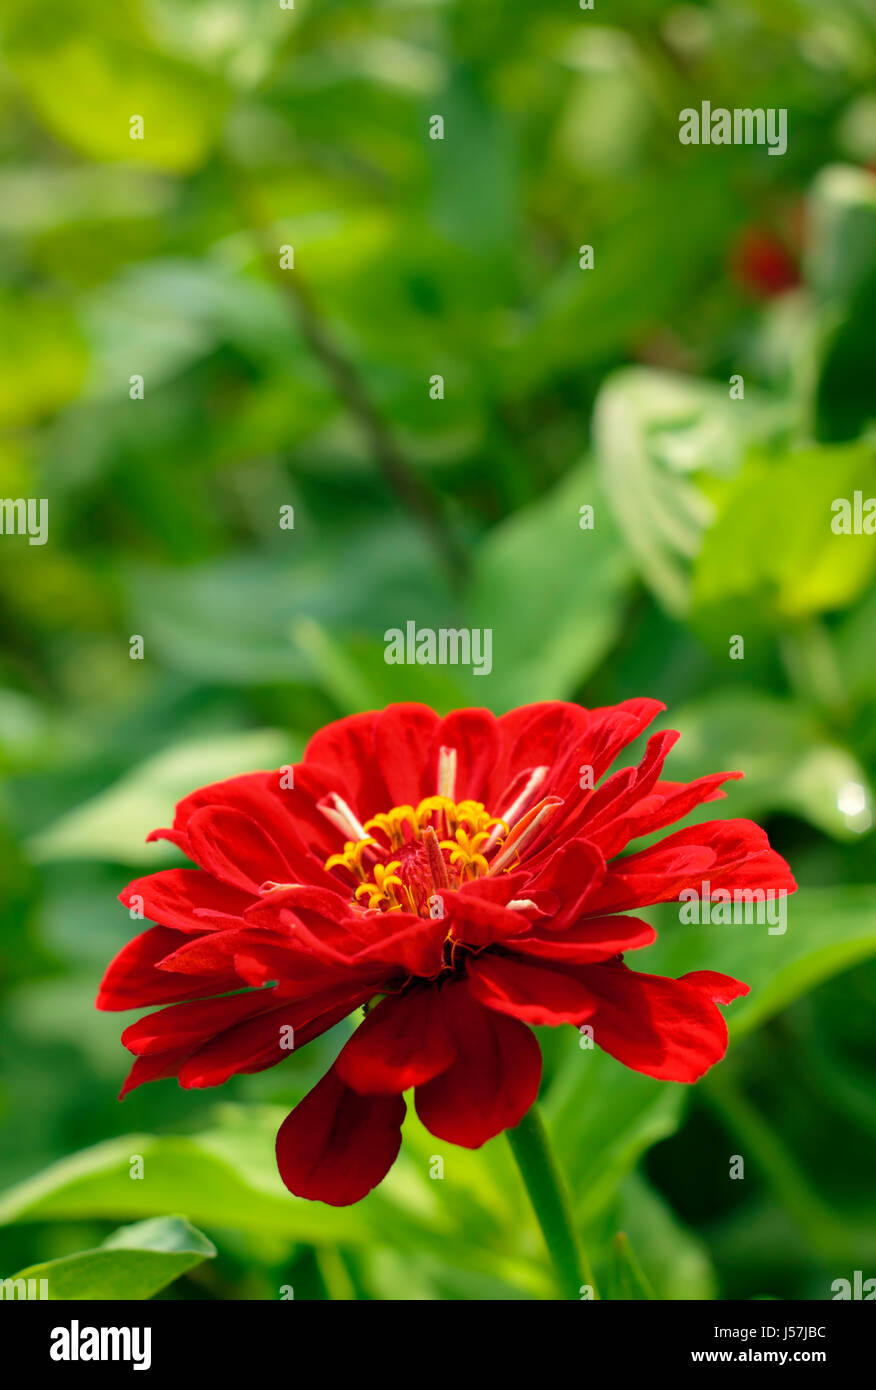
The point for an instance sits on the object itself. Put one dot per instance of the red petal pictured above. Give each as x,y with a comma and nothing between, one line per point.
669,1029
573,874
493,1081
592,940
185,1026
730,854
157,1068
344,752
255,1044
337,1145
132,980
477,914
604,815
403,736
723,989
608,731
234,849
474,733
186,899
540,735
527,991
403,1042
677,799
353,940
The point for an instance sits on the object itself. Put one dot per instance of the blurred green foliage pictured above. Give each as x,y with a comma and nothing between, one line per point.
267,388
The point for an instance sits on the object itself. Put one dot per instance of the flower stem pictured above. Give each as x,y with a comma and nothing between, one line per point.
531,1149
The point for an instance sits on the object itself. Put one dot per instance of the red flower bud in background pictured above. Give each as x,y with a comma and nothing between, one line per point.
762,264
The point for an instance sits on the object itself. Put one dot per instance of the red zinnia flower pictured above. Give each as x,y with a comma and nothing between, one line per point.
456,869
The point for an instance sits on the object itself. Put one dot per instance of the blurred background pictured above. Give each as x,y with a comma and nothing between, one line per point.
314,388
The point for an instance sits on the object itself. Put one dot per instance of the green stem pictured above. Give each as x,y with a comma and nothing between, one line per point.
532,1151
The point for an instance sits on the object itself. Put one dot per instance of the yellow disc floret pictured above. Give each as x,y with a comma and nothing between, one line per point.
410,879
380,892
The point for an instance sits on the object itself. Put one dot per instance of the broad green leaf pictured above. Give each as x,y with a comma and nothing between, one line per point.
840,264
86,83
356,676
43,357
230,622
653,432
225,1179
552,593
841,246
790,764
178,1173
135,1262
773,554
856,650
602,1117
583,321
114,824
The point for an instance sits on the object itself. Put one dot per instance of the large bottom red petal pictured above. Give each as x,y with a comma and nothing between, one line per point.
493,1081
337,1145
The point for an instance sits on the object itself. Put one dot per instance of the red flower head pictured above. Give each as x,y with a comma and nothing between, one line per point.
461,877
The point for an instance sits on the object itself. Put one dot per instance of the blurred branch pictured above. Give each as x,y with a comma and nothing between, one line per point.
417,497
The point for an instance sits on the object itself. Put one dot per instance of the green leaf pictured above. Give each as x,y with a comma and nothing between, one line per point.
552,593
602,1117
790,764
226,1179
841,243
772,555
42,357
653,431
135,1262
114,824
213,1183
656,1256
228,622
85,77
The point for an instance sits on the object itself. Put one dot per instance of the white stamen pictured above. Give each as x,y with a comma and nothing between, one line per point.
521,904
516,809
335,809
447,773
517,841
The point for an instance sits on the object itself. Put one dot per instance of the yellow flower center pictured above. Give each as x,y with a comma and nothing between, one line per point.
412,852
